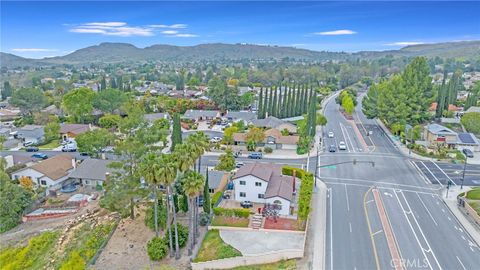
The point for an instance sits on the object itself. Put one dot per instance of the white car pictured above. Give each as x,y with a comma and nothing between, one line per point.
216,139
342,146
330,134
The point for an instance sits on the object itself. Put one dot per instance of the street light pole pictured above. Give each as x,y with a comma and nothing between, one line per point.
464,168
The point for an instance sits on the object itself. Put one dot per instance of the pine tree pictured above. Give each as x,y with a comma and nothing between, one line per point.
176,132
260,113
206,195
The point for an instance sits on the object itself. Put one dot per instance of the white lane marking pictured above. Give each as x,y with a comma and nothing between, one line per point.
431,173
422,175
444,173
350,224
378,186
346,138
463,237
331,230
463,266
443,210
377,232
449,219
378,182
369,201
346,195
430,214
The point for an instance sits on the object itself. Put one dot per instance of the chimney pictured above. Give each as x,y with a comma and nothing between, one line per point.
74,163
294,174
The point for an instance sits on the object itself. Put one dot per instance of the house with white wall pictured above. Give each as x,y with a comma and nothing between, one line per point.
264,183
50,173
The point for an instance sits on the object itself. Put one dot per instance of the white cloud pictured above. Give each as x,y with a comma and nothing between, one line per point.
33,50
173,26
336,33
186,35
112,29
405,43
169,32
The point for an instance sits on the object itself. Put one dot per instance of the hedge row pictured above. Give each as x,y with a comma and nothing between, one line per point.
288,170
216,197
238,212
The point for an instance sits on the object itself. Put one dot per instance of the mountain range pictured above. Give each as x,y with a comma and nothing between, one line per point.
124,52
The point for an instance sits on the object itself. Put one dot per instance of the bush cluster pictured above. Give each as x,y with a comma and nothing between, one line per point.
288,170
216,197
157,247
231,212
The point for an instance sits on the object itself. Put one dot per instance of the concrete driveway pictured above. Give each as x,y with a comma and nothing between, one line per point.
260,242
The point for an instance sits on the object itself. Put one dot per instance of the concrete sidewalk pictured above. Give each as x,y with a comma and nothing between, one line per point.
451,202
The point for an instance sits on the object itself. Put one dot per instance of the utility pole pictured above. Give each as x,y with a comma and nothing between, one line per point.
464,168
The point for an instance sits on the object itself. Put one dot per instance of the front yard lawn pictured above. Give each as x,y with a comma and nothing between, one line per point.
229,221
281,265
51,145
213,248
283,224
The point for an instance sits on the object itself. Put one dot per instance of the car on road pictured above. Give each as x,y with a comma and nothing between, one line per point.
330,134
342,146
40,155
255,155
468,153
27,143
31,149
215,139
246,204
239,164
332,148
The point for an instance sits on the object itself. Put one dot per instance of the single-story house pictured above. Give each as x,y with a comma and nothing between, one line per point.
435,133
70,131
31,133
274,122
264,183
9,114
16,159
152,117
50,173
92,172
52,109
273,139
200,115
235,116
217,181
468,141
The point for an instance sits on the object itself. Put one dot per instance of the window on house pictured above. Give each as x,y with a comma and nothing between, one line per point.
261,196
243,194
242,183
258,184
211,190
87,182
43,183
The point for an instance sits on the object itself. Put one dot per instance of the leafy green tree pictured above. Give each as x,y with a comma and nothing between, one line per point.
93,141
471,122
110,121
28,100
52,131
369,103
109,100
228,134
78,103
347,104
255,134
225,97
321,119
226,161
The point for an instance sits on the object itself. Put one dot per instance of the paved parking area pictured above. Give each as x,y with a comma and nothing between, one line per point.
256,242
440,173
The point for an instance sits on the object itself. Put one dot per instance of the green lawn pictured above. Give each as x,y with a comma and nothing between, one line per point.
213,248
50,145
474,194
475,205
282,265
229,221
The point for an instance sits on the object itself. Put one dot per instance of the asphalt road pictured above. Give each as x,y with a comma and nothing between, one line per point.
405,222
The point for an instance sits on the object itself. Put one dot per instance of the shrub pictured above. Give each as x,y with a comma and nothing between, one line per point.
182,235
288,170
74,262
231,212
216,197
157,248
268,150
204,218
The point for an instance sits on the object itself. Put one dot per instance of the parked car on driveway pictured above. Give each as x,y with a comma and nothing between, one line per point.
255,155
27,143
468,153
332,148
342,146
216,139
40,155
246,204
31,149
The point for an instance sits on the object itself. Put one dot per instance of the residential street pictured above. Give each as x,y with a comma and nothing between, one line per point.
384,201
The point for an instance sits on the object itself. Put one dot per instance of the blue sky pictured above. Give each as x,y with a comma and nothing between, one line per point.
38,29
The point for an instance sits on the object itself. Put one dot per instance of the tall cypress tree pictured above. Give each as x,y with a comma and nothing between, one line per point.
275,103
270,102
305,100
265,102
176,132
441,99
284,105
260,113
206,195
298,100
288,105
103,83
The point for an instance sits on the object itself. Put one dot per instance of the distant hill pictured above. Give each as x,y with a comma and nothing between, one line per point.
124,52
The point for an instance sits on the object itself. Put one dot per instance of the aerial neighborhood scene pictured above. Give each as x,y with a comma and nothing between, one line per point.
239,135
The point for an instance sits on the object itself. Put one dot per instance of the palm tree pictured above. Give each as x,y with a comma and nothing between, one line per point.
200,143
193,185
167,173
149,170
